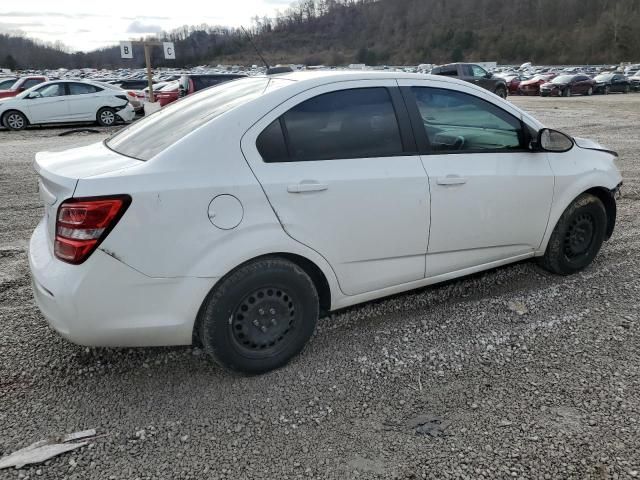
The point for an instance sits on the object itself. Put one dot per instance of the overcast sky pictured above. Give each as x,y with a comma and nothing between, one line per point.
89,24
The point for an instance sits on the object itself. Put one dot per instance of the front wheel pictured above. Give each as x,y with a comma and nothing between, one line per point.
577,237
106,117
259,317
627,89
501,92
590,91
14,120
566,92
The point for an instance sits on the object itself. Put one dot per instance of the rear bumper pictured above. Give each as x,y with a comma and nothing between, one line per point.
104,302
127,113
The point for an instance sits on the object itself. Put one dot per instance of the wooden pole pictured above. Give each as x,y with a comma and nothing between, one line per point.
147,59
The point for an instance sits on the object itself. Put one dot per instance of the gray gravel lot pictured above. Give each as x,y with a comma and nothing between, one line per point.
518,373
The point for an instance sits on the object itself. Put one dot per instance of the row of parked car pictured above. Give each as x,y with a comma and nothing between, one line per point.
34,100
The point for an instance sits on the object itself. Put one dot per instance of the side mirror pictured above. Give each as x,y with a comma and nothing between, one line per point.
549,140
34,95
488,75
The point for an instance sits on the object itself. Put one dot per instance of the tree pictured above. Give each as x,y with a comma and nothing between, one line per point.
10,62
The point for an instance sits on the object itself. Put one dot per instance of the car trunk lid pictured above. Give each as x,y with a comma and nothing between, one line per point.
59,173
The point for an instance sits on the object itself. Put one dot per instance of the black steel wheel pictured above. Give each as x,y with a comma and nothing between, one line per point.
259,316
577,237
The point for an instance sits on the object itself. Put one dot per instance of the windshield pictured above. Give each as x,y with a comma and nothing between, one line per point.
562,79
148,137
603,78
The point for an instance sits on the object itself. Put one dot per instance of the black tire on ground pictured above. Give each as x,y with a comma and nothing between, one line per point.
607,90
106,117
14,120
501,92
627,89
590,91
577,237
259,317
566,92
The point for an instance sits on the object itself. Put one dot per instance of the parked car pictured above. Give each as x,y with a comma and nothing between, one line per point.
22,84
207,223
567,85
7,82
473,74
168,93
191,83
532,86
513,82
635,82
132,84
612,82
63,101
132,96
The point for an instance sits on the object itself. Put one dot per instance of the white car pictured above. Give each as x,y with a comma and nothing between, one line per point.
62,101
236,216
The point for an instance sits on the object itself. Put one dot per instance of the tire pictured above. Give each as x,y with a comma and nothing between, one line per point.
566,92
607,90
259,317
106,117
577,237
627,89
590,92
14,120
501,92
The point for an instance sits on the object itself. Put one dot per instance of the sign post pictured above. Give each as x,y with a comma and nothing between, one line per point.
126,51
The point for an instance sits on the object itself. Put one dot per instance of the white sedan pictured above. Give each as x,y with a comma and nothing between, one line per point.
237,216
63,101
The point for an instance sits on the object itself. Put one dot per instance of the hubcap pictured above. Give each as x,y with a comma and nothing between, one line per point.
579,236
107,117
15,121
263,320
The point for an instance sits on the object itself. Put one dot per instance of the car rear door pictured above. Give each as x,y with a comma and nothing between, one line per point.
50,106
490,195
84,101
347,181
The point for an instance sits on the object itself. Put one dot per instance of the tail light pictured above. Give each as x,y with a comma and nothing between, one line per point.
83,223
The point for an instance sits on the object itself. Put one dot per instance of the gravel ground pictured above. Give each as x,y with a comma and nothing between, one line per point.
511,373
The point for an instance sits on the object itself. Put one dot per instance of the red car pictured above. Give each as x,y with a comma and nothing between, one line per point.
513,81
21,85
567,85
167,94
532,86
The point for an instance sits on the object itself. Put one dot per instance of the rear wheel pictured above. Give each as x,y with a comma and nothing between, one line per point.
590,91
577,237
566,92
259,317
607,90
14,120
106,117
627,89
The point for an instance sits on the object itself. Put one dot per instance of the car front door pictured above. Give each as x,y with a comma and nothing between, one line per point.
482,78
490,195
48,105
347,181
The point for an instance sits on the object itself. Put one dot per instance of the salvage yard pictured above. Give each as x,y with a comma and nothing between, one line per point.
510,373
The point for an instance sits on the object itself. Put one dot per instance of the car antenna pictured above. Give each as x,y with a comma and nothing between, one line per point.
255,48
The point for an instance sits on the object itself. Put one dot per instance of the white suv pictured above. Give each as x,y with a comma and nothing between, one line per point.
237,216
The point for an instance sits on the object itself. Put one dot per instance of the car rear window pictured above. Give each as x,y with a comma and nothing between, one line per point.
148,137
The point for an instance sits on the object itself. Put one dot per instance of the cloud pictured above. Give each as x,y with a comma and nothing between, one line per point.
139,27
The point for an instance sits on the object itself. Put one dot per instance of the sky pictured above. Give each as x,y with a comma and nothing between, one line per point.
90,24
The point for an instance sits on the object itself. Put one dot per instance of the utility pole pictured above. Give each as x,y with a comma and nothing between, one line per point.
126,51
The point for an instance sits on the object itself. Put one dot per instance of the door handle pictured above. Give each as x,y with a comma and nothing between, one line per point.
452,180
303,187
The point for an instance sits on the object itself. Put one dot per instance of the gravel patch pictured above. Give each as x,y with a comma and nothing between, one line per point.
512,373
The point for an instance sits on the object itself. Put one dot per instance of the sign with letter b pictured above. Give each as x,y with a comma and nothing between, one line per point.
126,51
169,51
